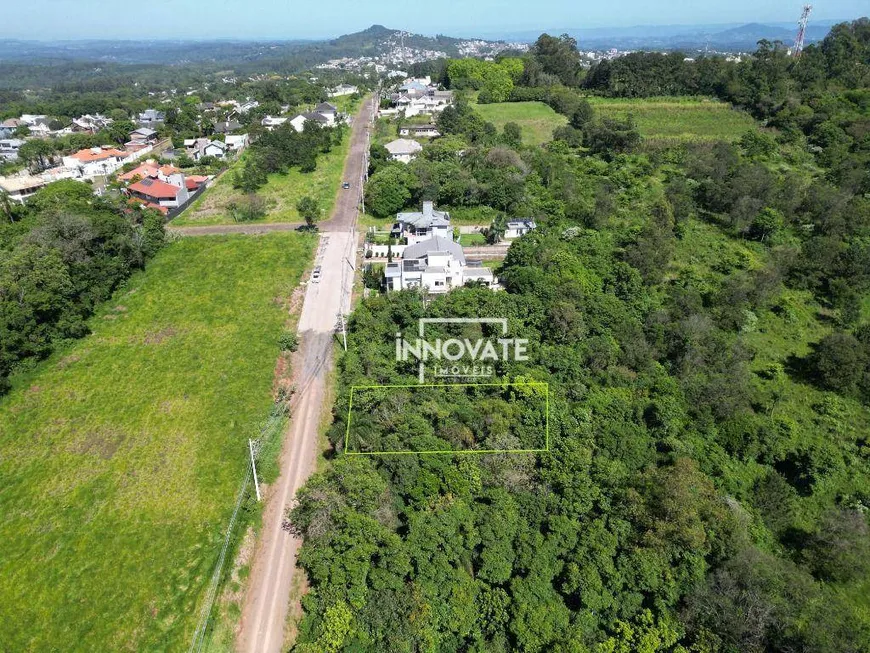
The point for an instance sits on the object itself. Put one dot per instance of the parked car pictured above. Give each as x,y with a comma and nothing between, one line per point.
315,276
345,185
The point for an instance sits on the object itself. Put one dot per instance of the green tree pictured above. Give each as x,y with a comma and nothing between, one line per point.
309,210
388,191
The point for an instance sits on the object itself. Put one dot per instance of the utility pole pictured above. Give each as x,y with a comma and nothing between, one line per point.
254,468
802,31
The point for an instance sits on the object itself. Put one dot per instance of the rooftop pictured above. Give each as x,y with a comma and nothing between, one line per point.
403,146
156,189
435,245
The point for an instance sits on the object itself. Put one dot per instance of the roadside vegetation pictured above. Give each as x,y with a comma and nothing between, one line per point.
123,452
268,181
698,309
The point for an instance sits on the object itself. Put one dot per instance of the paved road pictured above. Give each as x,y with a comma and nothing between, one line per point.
264,613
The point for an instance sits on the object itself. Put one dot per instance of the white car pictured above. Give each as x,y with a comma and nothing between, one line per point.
315,275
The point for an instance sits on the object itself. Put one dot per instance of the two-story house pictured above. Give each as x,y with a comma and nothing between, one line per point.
436,265
416,227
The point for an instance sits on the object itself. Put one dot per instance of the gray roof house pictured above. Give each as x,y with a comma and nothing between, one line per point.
416,227
435,265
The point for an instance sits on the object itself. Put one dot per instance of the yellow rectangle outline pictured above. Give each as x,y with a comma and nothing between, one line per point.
451,451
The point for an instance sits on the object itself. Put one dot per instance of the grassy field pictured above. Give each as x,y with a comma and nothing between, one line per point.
122,454
673,119
281,192
536,120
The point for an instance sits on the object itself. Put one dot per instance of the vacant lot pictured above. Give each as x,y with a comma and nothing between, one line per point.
121,456
678,119
536,120
281,192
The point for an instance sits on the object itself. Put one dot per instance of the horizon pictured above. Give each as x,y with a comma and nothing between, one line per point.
274,20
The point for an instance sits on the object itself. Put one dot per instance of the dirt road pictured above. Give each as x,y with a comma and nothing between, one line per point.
264,613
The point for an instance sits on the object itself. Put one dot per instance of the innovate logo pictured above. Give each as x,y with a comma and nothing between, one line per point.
460,358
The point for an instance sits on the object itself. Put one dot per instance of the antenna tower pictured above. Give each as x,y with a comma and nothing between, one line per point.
802,30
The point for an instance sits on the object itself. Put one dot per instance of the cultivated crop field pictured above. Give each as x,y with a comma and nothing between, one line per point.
536,120
121,455
673,119
281,192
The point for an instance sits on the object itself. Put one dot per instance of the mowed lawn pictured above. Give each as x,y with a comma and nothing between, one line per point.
678,119
281,192
536,120
121,456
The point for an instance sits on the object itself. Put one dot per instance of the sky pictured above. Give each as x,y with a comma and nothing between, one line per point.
290,19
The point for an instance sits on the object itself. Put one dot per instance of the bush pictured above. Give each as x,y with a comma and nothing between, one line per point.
288,341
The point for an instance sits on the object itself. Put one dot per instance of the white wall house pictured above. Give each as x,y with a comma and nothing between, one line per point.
436,265
517,228
272,122
237,143
95,162
404,150
417,227
20,187
343,89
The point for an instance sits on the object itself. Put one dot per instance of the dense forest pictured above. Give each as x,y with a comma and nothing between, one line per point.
700,315
60,257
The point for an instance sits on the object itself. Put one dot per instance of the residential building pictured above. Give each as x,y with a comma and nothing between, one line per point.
419,131
343,89
90,124
95,161
9,148
244,107
21,187
40,127
151,118
237,143
299,121
436,265
404,150
517,228
200,147
271,123
12,124
227,127
416,227
328,111
32,119
143,135
165,195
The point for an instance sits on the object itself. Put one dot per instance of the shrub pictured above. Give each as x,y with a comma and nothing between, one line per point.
288,341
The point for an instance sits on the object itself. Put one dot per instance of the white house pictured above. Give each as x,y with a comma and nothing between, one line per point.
9,148
404,150
270,122
417,227
237,143
21,187
328,111
517,228
95,161
343,89
299,121
436,265
420,131
199,147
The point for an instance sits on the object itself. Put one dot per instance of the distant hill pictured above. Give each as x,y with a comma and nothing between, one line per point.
724,36
377,41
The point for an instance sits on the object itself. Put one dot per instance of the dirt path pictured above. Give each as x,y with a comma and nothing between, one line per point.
264,613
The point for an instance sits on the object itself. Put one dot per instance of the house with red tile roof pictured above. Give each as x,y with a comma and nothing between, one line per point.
161,193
